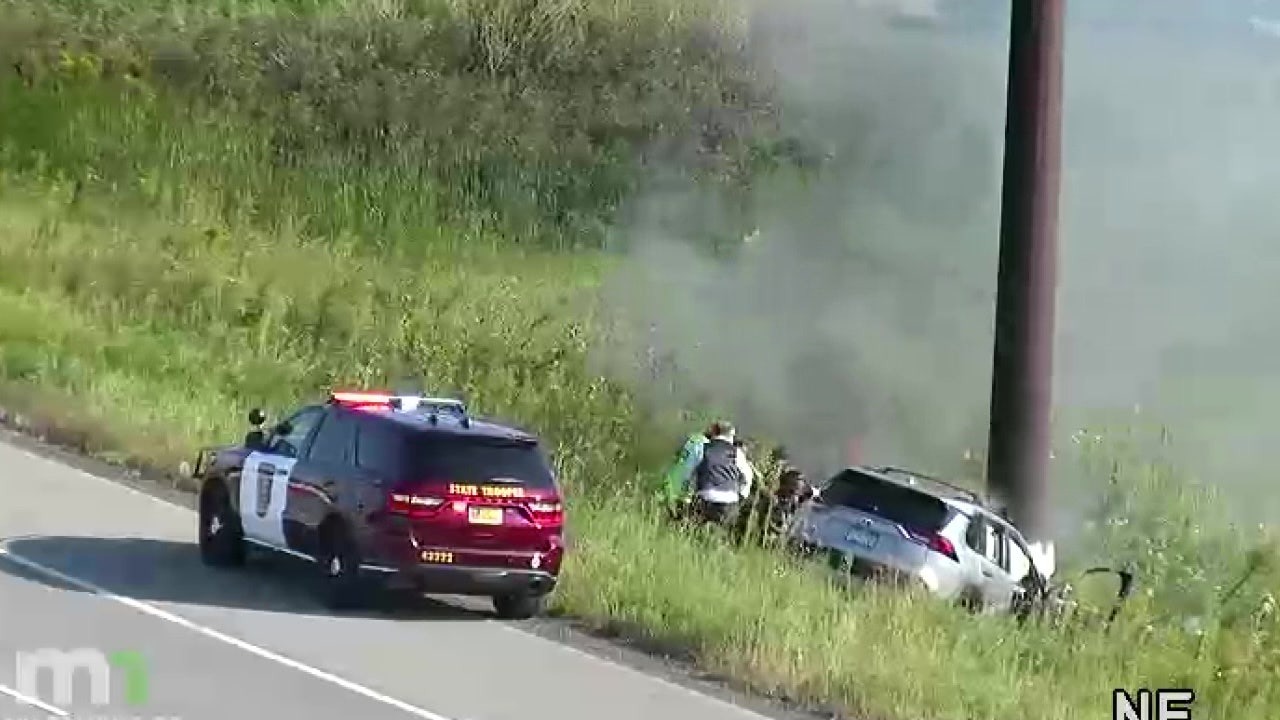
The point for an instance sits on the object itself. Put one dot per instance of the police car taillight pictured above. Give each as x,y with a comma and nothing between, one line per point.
405,503
547,514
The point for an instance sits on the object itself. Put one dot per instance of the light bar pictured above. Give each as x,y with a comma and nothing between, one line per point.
360,398
397,402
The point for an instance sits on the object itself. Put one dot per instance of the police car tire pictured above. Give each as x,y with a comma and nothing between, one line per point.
226,547
341,585
519,606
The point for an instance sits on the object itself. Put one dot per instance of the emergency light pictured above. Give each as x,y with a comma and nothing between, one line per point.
402,403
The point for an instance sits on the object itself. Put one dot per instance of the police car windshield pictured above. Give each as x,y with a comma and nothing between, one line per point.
869,494
456,458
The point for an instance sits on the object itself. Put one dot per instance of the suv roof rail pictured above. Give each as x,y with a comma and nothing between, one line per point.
404,403
973,495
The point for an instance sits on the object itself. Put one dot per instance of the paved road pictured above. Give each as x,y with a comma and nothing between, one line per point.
88,563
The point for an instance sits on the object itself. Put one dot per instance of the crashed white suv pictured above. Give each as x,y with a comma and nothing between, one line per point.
888,522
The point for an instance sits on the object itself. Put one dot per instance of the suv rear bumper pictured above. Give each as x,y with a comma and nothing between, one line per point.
469,579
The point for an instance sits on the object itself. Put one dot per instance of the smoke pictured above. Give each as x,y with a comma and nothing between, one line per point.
860,302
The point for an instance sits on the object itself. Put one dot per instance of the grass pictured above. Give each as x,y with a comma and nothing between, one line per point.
177,247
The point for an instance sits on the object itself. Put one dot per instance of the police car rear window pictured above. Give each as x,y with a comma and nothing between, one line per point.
866,493
479,459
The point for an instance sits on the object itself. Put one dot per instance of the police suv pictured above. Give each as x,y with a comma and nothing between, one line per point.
408,489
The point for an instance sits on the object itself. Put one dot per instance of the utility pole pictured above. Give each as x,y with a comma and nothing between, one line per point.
1022,370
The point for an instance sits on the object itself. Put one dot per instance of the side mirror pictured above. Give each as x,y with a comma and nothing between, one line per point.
284,427
257,417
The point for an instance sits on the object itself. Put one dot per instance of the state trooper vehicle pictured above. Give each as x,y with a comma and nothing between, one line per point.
409,490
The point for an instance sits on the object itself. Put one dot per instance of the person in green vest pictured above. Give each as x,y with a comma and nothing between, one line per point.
675,491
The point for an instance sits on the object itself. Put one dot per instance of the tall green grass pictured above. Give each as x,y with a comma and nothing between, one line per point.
175,249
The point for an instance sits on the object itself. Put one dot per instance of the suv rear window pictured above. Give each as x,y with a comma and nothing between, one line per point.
479,459
907,507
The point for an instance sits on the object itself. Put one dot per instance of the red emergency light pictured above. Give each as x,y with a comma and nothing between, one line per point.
379,400
361,399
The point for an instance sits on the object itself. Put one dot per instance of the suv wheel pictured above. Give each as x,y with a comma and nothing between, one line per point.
221,537
519,606
339,563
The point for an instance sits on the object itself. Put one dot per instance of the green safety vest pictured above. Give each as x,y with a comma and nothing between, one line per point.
675,482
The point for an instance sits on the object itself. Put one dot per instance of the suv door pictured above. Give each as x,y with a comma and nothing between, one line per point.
500,523
320,478
1003,584
988,544
379,466
264,482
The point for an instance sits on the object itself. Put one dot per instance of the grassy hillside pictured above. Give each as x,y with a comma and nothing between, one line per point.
206,207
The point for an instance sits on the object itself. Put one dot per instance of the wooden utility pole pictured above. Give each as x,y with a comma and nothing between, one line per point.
1022,372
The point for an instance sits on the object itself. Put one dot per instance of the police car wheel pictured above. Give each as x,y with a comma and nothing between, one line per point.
221,537
341,585
519,606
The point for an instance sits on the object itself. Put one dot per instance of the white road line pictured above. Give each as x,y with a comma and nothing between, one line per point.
671,684
37,702
248,647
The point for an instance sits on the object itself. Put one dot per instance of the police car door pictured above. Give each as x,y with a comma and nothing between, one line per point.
264,482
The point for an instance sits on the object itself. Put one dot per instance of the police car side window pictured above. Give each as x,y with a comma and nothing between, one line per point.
335,442
300,425
378,448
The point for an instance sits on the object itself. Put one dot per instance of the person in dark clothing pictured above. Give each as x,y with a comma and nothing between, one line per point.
767,514
793,491
722,480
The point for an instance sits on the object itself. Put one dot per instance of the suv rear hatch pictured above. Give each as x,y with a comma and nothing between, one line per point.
880,521
480,492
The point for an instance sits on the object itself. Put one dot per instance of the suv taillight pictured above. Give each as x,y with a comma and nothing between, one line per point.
413,504
547,513
937,543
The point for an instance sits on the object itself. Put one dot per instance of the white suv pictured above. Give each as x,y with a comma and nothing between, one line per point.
883,521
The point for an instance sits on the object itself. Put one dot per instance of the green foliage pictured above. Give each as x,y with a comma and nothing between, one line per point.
207,206
526,118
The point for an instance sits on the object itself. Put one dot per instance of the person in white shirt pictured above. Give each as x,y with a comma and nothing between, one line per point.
723,479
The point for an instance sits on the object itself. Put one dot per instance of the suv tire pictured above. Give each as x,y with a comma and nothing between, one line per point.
519,606
341,585
221,536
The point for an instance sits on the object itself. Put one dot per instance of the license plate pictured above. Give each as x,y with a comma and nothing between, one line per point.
862,538
484,515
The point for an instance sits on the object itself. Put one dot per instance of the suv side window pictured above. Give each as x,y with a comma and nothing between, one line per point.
984,538
975,535
1018,563
335,443
378,448
300,426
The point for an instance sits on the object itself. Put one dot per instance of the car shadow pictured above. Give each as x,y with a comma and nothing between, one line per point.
156,570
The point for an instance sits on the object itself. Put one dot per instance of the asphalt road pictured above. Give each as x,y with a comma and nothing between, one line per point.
89,563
